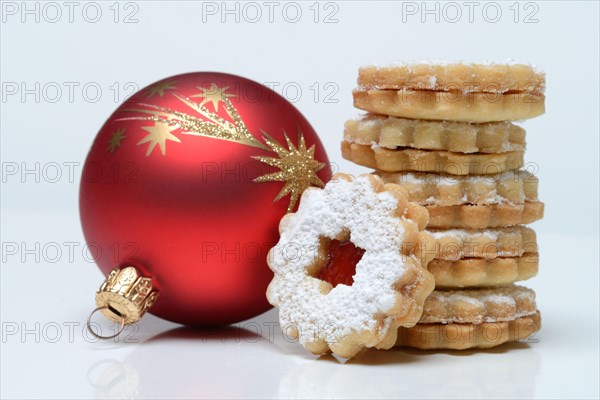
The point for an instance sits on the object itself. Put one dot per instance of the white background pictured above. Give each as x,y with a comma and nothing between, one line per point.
42,298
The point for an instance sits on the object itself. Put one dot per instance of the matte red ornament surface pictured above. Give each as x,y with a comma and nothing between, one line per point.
182,181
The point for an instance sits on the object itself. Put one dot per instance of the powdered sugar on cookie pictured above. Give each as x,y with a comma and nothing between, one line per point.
373,220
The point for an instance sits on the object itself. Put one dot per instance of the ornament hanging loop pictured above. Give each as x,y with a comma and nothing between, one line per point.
123,298
98,336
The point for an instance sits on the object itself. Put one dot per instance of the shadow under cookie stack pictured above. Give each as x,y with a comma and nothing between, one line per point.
443,132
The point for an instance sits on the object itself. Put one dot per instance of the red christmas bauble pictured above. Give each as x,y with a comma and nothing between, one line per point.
187,181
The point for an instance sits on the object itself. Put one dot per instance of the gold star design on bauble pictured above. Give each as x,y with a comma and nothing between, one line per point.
297,168
159,88
115,140
214,95
159,133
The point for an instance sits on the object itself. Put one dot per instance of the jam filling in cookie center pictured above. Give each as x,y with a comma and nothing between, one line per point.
341,263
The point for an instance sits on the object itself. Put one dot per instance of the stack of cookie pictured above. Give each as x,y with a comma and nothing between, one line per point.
444,132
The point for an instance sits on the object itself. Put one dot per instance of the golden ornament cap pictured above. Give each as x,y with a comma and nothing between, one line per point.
124,297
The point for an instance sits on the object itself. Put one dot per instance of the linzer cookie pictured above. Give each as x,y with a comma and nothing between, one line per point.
467,258
454,92
469,216
476,306
431,160
473,201
459,137
451,106
468,336
514,187
482,272
344,281
462,319
455,244
443,76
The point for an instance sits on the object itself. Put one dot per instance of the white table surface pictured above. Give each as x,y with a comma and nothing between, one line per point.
57,358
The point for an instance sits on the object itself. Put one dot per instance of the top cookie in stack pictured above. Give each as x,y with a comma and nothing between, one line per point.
444,133
453,92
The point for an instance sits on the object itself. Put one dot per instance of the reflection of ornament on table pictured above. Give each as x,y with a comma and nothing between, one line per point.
186,182
112,379
135,375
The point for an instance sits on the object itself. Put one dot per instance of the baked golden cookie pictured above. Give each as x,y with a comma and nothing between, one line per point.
343,279
484,216
482,272
451,106
483,318
448,77
459,137
475,306
442,162
455,244
513,187
467,336
482,92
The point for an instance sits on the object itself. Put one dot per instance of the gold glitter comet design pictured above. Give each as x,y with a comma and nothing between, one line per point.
211,124
297,166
